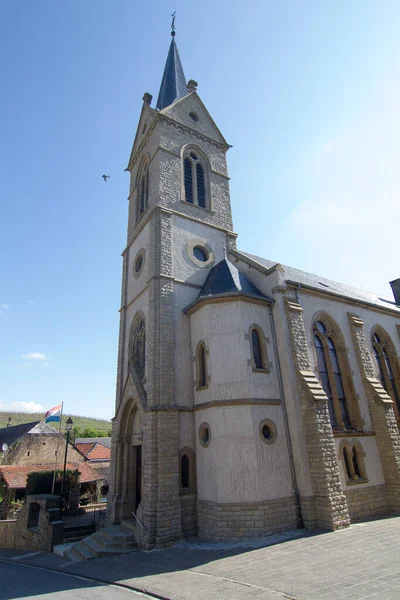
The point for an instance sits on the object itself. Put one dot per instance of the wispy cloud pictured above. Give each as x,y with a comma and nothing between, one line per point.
34,356
17,405
346,225
4,308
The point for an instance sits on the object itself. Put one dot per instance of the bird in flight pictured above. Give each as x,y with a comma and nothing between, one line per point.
105,177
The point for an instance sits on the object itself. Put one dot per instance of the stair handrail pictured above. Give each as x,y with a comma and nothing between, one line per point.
137,519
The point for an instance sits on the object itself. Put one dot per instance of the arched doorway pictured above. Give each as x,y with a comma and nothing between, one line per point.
128,470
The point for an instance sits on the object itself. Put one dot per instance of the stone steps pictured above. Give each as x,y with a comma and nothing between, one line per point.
115,539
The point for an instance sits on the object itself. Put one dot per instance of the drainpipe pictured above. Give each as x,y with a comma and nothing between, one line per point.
300,522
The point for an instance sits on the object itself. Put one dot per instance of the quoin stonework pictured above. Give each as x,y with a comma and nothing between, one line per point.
252,397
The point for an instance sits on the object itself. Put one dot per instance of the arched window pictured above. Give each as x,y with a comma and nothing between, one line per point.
352,456
143,189
138,345
185,472
256,344
331,358
201,365
387,366
194,177
258,348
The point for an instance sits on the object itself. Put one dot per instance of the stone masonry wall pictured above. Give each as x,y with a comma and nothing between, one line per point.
330,505
49,531
232,522
189,515
367,501
382,414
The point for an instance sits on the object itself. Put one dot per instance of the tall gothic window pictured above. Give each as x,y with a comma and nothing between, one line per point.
138,345
143,189
330,364
256,345
388,367
194,179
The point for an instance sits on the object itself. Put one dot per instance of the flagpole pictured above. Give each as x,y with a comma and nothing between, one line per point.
58,444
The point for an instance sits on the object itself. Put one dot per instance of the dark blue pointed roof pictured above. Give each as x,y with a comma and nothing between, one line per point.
226,280
173,85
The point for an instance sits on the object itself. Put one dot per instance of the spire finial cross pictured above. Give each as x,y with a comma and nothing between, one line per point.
173,23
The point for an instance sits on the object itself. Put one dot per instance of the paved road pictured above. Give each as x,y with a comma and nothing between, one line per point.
20,581
358,563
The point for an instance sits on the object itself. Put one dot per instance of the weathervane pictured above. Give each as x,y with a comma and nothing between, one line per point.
173,23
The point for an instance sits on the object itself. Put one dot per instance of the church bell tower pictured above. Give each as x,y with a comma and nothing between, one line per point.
179,226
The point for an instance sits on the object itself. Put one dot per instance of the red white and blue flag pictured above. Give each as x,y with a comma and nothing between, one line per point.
54,414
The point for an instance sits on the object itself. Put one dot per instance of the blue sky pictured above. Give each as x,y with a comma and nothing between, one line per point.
307,92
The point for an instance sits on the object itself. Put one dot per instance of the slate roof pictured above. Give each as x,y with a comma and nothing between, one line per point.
173,84
15,476
104,441
326,285
9,435
225,280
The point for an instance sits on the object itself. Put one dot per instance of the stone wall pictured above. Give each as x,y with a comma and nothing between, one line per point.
382,414
189,515
233,522
40,449
7,532
367,502
49,530
330,505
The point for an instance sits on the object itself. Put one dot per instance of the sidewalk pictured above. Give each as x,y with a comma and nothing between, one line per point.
357,563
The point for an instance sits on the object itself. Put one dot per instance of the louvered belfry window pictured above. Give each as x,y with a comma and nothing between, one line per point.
194,180
143,191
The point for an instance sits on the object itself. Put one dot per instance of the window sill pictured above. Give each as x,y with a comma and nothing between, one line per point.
356,481
201,388
339,432
212,212
260,370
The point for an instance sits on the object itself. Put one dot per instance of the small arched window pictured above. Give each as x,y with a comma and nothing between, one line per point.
138,345
201,365
256,344
185,472
387,366
353,462
326,344
258,349
194,179
143,189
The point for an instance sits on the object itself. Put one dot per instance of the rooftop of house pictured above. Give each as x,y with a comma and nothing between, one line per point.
15,476
105,441
94,451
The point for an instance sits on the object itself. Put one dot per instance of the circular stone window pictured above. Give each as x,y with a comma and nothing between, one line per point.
204,434
268,431
200,253
194,116
138,263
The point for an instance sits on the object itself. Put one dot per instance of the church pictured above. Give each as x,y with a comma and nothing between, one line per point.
252,397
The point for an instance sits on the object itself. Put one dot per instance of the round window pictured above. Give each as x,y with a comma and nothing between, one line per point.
268,431
138,263
194,116
200,253
204,434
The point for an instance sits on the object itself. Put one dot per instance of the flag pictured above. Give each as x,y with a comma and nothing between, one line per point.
54,414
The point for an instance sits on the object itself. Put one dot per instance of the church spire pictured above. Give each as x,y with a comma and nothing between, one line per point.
173,84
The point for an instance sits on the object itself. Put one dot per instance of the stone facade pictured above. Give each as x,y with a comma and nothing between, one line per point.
257,444
235,522
367,502
46,531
